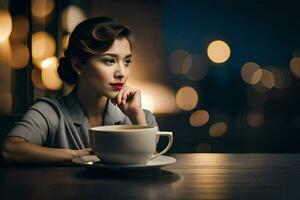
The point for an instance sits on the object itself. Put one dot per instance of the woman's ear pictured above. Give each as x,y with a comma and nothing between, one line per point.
76,65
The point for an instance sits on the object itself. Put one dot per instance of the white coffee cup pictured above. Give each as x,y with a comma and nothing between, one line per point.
126,144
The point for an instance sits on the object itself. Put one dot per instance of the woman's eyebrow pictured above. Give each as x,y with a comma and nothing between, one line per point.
115,55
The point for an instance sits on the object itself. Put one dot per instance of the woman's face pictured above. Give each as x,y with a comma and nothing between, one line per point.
105,74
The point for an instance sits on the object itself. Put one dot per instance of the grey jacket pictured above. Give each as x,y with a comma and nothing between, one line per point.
60,122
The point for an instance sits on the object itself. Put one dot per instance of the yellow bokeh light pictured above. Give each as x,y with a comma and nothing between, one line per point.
72,16
295,66
43,46
20,56
5,52
5,70
218,51
255,119
251,73
186,98
267,79
20,28
65,41
203,148
217,129
36,78
198,69
199,118
180,61
41,8
50,76
6,25
147,102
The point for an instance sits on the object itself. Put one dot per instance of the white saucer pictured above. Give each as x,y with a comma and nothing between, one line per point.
94,162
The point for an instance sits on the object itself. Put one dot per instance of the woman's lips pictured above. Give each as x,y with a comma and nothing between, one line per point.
117,86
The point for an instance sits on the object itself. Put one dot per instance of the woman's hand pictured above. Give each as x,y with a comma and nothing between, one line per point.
129,101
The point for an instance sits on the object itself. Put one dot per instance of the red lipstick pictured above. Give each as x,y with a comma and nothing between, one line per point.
117,86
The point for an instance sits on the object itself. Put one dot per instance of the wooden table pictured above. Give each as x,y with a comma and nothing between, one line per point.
193,176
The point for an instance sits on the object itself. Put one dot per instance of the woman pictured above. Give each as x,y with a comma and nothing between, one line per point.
97,61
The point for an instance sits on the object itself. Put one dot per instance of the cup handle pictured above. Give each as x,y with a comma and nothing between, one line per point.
170,136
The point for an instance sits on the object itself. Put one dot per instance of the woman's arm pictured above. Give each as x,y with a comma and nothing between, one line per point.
16,149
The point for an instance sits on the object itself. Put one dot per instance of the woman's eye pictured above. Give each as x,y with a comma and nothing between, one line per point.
127,62
109,61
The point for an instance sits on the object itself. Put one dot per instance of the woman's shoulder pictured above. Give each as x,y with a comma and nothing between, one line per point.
51,108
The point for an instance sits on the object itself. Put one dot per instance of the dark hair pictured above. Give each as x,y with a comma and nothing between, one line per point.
90,37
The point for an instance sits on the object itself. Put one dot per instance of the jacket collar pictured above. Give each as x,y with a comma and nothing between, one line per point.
113,115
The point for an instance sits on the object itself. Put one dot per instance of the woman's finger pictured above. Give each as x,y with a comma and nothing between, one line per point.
119,97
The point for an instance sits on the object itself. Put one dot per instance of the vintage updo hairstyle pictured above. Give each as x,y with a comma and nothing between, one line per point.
91,37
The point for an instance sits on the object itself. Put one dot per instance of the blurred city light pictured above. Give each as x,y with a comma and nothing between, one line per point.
180,61
199,118
43,46
255,119
295,66
218,51
71,16
6,25
198,68
267,79
42,8
50,76
36,78
217,129
186,98
20,29
20,56
251,73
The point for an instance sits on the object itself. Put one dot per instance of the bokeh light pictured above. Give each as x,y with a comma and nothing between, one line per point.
43,46
50,76
295,66
65,41
6,25
36,78
42,8
218,51
20,56
72,16
255,119
267,79
251,73
203,148
218,129
199,118
198,68
5,69
20,28
186,98
180,61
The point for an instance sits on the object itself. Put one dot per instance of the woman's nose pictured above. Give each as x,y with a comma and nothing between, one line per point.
120,72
